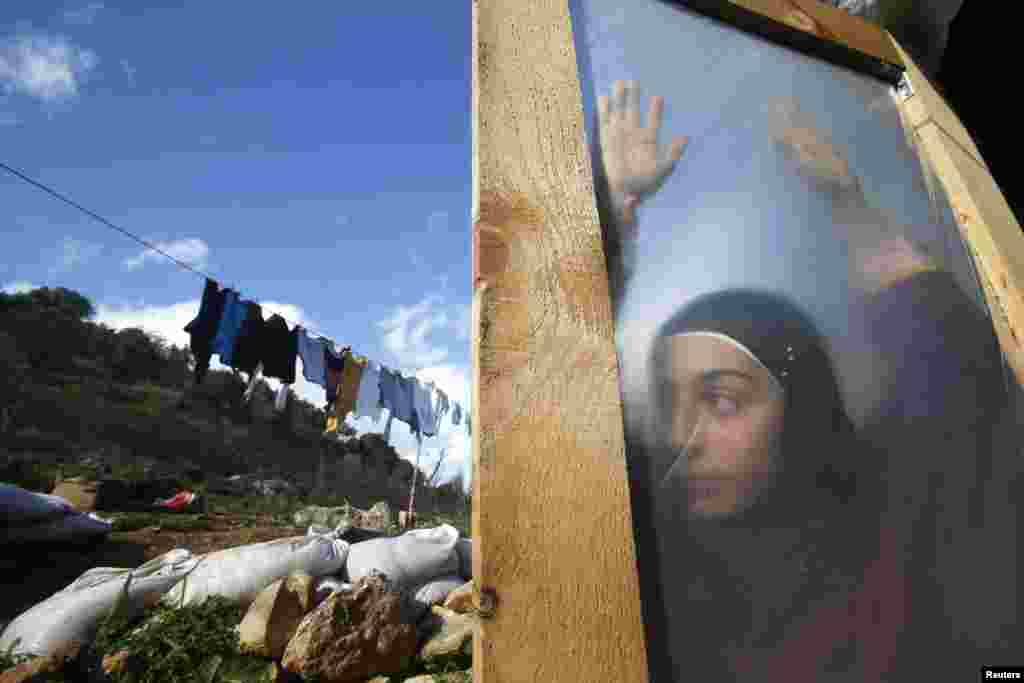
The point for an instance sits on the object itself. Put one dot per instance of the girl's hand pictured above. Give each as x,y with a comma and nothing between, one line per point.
633,162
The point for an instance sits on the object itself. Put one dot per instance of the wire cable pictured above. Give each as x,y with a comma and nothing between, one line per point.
92,214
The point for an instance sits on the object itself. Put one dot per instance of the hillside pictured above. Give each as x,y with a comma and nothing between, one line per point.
123,404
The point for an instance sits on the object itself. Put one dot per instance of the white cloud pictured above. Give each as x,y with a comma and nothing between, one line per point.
74,253
407,333
49,68
18,287
192,251
415,336
83,15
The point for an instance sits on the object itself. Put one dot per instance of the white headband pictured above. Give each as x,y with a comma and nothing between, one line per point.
730,340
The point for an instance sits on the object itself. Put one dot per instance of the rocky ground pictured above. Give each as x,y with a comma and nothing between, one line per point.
327,640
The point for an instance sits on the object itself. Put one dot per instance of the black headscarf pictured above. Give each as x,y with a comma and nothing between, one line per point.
817,433
738,582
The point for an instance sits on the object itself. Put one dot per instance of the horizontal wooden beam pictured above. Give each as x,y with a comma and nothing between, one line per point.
813,28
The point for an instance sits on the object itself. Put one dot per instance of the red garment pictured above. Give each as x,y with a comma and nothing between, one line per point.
179,502
874,615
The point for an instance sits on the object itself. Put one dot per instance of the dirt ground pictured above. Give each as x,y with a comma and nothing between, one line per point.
30,573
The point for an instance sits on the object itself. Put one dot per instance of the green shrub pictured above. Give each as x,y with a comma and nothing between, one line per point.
174,641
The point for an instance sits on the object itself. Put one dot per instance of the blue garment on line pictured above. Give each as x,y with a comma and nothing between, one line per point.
229,327
312,352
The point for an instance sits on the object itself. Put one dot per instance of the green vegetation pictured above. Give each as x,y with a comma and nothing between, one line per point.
173,640
9,660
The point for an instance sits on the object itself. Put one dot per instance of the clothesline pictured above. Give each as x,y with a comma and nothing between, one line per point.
234,329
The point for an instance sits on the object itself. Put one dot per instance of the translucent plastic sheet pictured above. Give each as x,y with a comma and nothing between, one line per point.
821,428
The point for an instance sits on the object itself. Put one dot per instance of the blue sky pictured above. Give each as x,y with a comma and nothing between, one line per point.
315,157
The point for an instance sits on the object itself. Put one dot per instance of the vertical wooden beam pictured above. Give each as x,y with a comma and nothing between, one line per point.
982,214
553,534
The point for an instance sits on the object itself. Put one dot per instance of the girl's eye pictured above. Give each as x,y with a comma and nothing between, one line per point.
724,405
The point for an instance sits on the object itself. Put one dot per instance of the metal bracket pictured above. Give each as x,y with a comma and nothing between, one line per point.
903,88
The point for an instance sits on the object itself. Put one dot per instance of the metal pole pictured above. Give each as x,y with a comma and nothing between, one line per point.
415,472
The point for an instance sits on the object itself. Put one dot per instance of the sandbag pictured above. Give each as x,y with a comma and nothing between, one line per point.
18,506
74,613
410,560
71,528
433,593
240,573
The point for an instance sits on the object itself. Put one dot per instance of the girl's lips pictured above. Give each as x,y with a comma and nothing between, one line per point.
700,490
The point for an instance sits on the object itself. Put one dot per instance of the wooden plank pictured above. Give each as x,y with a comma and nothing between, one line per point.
552,524
927,105
813,28
982,214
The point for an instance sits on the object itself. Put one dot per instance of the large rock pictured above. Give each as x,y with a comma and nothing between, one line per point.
274,616
452,634
354,635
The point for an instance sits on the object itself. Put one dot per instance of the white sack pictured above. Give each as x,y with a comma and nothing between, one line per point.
18,506
76,526
412,559
239,574
75,612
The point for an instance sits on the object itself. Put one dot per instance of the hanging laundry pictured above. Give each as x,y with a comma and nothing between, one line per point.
279,349
441,408
388,389
456,414
248,345
348,388
405,402
423,407
281,400
332,421
387,428
229,326
203,328
368,401
312,352
334,361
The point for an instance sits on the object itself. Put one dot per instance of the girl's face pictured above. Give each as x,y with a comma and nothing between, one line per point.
723,421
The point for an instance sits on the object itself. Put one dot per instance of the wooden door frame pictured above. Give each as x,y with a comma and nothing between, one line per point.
554,559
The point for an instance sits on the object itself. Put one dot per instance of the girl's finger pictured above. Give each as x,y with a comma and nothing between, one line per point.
655,112
675,152
619,99
633,105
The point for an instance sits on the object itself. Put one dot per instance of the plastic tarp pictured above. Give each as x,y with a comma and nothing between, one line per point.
410,560
39,517
75,612
71,528
18,506
241,573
